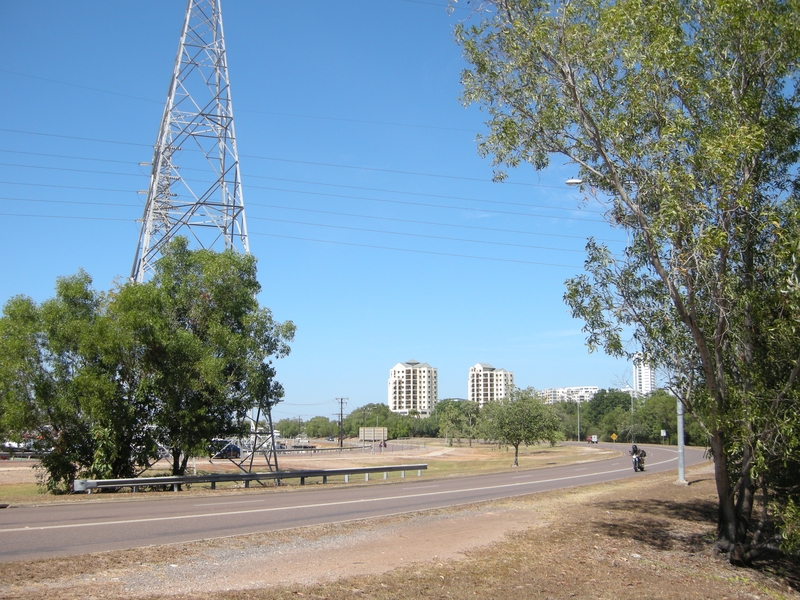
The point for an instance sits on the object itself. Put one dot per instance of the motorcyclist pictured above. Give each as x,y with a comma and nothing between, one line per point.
638,454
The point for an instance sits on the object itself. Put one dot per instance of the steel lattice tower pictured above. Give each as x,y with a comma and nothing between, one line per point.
195,184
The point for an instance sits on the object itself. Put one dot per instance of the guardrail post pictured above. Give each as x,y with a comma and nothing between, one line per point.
213,485
366,476
347,478
385,474
134,488
402,474
247,483
324,479
174,487
419,472
302,481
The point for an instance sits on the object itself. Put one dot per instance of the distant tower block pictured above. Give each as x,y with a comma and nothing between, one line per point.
195,186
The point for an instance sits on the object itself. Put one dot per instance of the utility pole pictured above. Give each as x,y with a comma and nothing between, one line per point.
342,402
197,137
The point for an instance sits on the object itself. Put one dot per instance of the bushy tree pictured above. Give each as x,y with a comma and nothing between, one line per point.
290,428
100,379
319,427
69,381
202,335
522,418
449,415
683,120
605,401
369,415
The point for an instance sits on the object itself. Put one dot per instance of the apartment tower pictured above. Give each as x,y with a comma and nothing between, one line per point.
487,384
413,386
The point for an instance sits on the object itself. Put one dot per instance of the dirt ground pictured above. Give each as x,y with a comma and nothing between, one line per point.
643,538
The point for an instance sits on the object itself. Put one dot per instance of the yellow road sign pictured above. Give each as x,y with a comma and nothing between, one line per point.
614,436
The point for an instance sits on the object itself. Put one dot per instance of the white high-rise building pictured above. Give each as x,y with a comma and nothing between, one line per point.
569,394
644,380
413,386
487,384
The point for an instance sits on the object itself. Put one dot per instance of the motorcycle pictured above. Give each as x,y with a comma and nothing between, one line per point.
638,461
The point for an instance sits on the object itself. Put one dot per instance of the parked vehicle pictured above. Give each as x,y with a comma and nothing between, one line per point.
224,449
592,439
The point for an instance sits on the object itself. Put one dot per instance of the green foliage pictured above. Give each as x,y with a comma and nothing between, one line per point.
522,418
450,417
290,428
100,379
605,401
683,119
320,427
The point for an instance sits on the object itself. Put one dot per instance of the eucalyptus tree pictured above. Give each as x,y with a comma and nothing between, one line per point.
682,121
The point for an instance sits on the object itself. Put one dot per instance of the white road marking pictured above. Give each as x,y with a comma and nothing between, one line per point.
217,515
230,503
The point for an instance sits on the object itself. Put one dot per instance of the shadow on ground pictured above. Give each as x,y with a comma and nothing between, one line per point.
658,525
697,511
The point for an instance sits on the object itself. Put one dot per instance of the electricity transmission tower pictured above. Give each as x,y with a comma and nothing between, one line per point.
195,186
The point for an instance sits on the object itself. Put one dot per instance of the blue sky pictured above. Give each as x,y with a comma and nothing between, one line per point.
376,225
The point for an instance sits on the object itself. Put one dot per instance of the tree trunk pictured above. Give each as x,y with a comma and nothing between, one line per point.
176,462
516,455
727,519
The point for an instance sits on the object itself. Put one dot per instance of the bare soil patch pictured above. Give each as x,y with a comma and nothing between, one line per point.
641,538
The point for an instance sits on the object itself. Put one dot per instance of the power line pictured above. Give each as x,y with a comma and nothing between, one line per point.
438,224
68,187
81,218
343,196
333,213
72,170
425,194
304,162
108,160
424,204
306,239
306,182
395,171
420,235
509,260
82,87
81,139
245,110
126,205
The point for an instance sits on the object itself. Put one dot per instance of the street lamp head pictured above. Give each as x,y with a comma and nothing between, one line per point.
574,181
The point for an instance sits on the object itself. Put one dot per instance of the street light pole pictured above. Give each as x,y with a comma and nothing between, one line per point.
681,463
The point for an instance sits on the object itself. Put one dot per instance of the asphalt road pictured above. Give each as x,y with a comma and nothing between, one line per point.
66,529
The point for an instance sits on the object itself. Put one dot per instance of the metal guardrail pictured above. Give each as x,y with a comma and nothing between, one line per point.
87,485
20,454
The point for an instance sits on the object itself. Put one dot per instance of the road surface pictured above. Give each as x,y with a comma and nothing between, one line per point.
67,529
